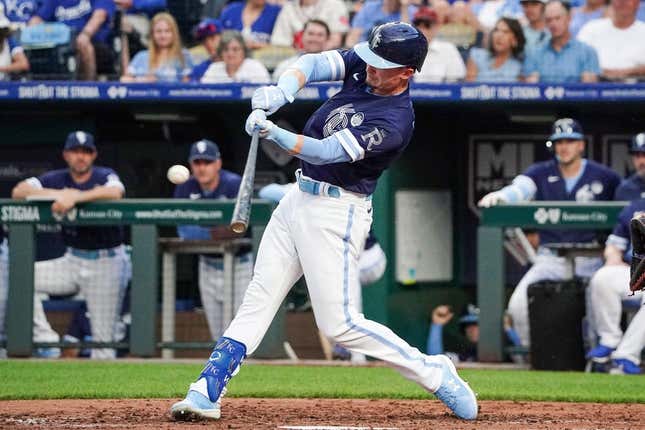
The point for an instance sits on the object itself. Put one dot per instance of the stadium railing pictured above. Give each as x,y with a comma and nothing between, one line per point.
144,216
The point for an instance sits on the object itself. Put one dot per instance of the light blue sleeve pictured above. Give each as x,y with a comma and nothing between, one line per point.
326,66
193,232
591,64
139,64
325,151
434,344
530,63
522,189
361,19
188,64
273,192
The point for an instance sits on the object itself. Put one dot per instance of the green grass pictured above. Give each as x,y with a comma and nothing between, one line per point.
56,380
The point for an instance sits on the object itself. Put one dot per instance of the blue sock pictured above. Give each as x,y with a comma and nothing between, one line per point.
226,357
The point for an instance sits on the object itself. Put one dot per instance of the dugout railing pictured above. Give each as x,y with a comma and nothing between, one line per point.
491,285
144,216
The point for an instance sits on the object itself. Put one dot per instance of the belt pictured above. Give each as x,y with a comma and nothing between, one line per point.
218,263
317,188
93,254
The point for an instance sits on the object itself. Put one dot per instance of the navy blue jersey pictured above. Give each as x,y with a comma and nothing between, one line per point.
620,236
229,184
597,183
77,13
631,188
261,28
49,242
381,125
85,237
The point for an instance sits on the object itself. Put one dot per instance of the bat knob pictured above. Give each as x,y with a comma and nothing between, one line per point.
238,227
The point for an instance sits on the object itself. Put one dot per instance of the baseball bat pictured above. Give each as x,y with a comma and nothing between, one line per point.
242,210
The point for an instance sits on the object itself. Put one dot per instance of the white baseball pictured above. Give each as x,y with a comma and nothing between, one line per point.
178,174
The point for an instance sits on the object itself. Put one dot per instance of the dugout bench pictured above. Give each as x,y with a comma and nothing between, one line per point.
144,216
491,283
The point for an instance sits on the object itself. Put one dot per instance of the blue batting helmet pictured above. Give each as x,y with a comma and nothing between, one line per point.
638,143
565,128
395,44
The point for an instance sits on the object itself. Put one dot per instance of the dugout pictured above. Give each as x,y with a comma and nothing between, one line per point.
468,140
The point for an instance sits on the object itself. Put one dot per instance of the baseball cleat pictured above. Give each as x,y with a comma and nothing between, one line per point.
623,366
455,393
195,407
600,354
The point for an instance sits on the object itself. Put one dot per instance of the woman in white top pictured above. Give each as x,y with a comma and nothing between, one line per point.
235,66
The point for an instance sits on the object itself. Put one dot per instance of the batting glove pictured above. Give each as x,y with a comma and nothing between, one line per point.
269,99
258,120
491,199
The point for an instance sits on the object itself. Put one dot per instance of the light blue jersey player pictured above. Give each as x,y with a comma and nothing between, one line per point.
319,228
566,177
95,263
210,181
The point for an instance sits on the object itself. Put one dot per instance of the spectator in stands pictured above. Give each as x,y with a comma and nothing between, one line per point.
90,22
592,9
253,18
235,65
561,59
490,11
208,33
95,261
443,62
20,11
210,181
137,16
535,31
618,40
166,60
378,12
502,61
12,58
288,29
315,36
466,344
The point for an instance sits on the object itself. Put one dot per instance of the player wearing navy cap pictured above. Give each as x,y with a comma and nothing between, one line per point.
633,187
320,227
569,177
95,262
210,181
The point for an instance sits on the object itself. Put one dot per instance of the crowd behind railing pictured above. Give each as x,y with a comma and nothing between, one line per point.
253,41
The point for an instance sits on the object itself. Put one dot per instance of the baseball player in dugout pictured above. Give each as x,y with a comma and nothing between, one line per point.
319,228
95,262
567,177
610,285
210,181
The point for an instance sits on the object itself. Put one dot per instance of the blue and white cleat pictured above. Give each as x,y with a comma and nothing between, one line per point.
455,393
622,366
196,406
600,354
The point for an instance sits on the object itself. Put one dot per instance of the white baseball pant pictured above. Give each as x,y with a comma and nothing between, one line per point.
546,267
98,279
211,288
633,341
323,237
609,286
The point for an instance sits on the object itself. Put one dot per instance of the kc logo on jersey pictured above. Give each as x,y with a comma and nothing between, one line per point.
338,119
588,192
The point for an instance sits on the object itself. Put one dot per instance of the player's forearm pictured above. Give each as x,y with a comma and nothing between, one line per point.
314,151
435,339
100,193
24,190
522,189
326,66
98,18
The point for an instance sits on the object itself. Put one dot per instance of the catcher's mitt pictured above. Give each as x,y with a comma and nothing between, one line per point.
637,270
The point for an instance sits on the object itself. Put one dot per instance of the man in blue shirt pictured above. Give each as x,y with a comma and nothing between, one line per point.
320,227
210,181
90,23
95,262
566,177
374,13
261,18
562,58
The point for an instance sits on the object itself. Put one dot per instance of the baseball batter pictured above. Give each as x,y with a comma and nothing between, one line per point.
95,263
319,229
210,181
567,177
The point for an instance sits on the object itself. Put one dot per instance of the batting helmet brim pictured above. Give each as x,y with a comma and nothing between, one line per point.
363,50
572,136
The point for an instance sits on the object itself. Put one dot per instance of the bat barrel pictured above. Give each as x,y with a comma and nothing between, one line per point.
242,211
